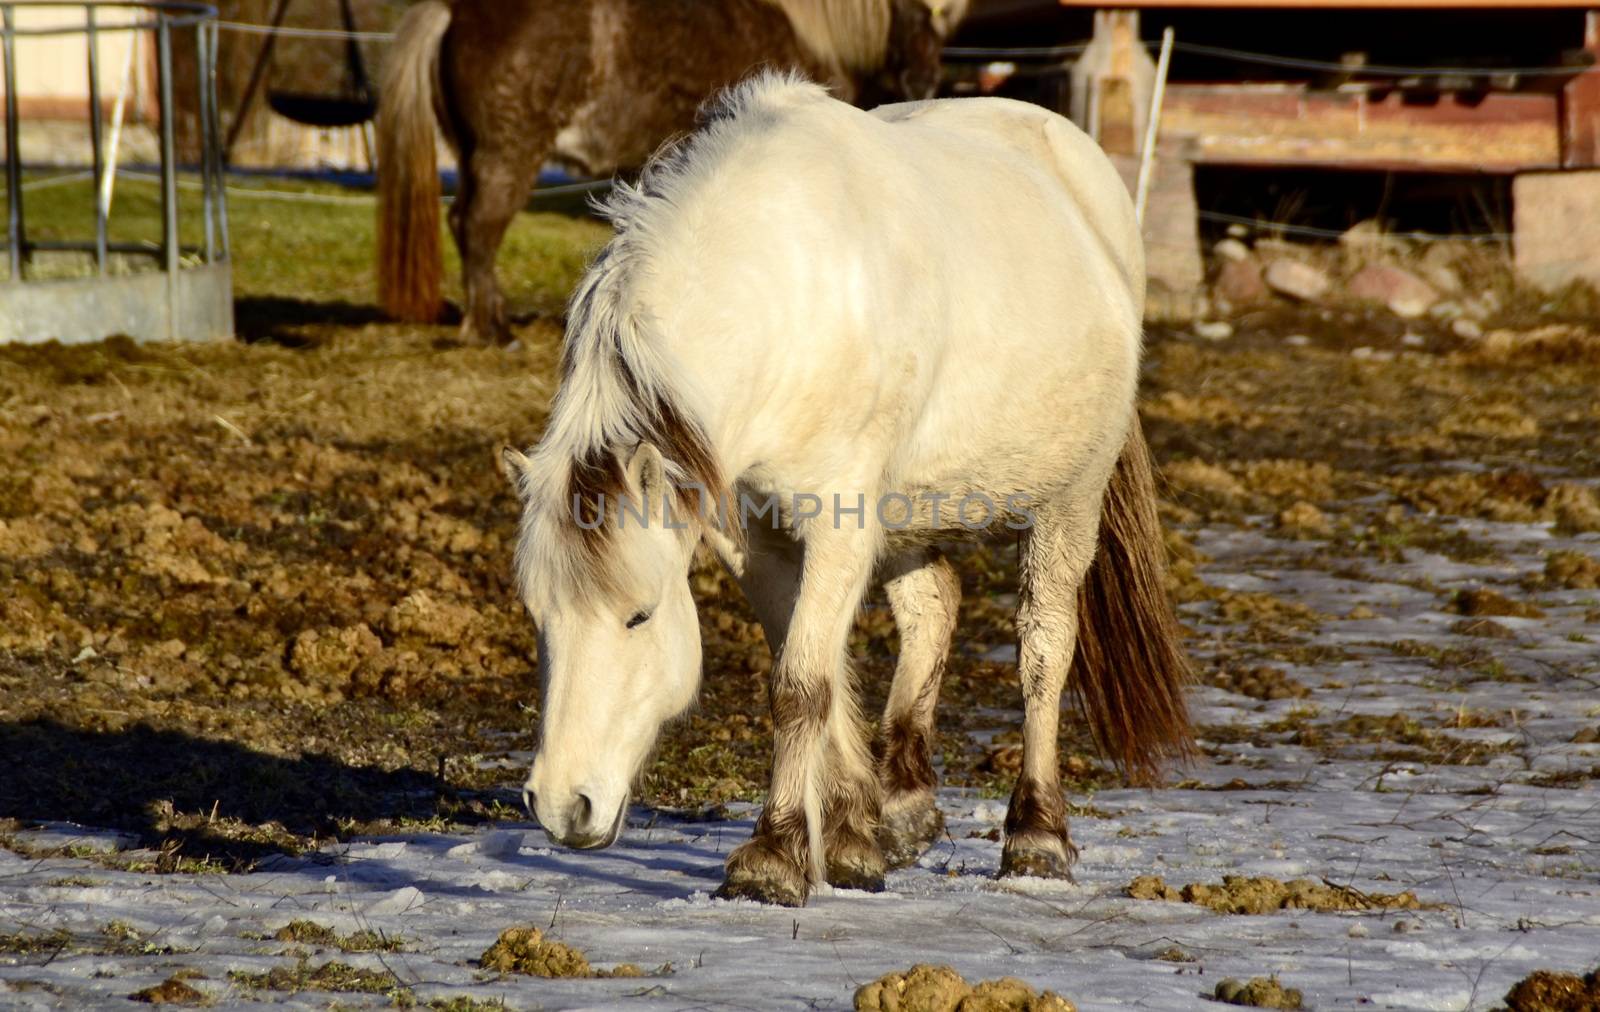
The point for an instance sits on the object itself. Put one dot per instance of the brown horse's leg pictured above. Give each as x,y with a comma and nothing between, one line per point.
924,593
1056,553
494,187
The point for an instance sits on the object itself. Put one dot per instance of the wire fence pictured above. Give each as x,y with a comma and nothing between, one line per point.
1023,54
1069,49
1312,232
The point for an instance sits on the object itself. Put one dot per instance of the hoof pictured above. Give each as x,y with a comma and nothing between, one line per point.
1038,854
909,828
855,862
760,872
853,877
778,894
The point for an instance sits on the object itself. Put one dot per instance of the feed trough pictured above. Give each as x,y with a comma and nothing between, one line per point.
75,290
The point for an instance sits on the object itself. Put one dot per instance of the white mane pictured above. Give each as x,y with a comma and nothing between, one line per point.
618,387
851,33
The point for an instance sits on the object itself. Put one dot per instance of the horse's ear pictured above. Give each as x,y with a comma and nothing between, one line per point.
647,473
515,467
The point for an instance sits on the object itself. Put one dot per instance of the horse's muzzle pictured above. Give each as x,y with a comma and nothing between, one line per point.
577,824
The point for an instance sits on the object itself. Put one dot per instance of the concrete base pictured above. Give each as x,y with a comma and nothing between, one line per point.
1171,237
195,304
1553,235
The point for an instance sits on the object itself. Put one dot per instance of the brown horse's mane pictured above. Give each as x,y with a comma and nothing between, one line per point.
852,35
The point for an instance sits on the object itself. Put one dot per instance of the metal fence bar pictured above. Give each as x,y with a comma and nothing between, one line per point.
202,51
14,228
214,145
96,144
169,170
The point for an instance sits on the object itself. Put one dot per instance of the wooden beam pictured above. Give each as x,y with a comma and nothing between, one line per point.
1439,5
1357,127
1580,107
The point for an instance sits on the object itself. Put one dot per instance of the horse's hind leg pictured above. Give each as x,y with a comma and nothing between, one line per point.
924,592
494,187
1056,553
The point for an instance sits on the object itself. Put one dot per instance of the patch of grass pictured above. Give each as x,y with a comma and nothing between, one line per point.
312,933
27,943
286,248
330,976
114,938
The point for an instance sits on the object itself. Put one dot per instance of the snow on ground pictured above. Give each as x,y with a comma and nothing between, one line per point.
1505,853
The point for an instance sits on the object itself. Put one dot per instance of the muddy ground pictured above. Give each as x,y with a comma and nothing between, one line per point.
255,595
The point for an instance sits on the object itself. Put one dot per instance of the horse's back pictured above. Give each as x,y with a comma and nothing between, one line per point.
1057,144
947,294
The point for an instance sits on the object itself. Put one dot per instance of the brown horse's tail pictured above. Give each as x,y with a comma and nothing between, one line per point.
410,261
1130,670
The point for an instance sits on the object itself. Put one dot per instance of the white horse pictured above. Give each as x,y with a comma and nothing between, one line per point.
882,323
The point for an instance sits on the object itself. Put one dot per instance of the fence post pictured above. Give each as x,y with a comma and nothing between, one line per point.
14,227
96,141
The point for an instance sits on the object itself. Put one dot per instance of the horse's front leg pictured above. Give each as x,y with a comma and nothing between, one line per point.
820,770
495,186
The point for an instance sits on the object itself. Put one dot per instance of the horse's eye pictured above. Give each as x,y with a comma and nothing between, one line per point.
639,618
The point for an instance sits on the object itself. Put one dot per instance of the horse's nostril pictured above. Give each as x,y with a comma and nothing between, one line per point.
527,800
582,810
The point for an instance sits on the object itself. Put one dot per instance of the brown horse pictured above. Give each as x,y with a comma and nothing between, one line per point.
597,85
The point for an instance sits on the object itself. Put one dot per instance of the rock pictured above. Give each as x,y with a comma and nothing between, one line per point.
1446,309
1478,308
1231,249
1237,231
1467,330
1411,340
1297,340
1405,294
1214,330
1445,279
1367,237
1297,280
1239,282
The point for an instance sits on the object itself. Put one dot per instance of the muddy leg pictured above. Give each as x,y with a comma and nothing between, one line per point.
852,801
810,695
924,593
494,187
1056,554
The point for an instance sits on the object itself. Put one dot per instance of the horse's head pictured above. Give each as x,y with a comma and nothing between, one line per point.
912,64
619,640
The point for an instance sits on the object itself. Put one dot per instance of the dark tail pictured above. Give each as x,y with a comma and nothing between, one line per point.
1130,670
410,262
